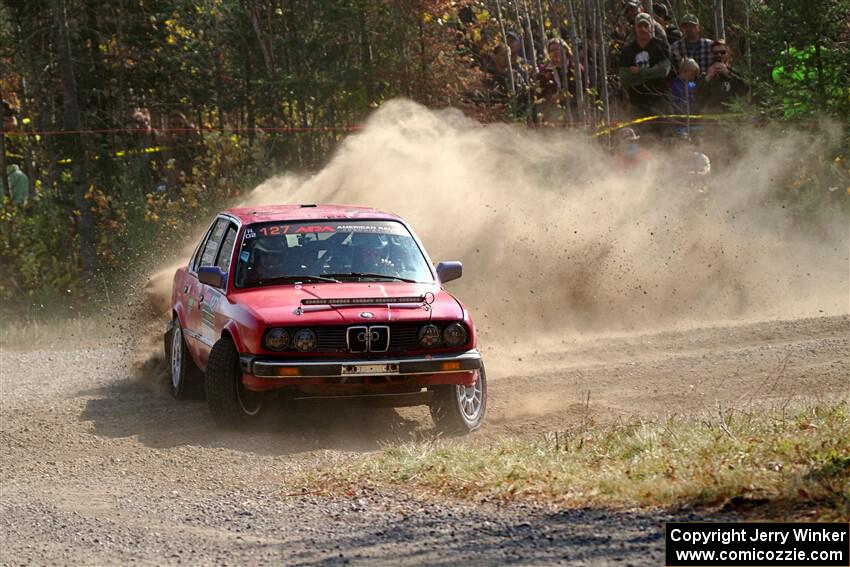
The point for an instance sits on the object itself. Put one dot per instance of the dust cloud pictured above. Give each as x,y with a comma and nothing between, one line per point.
557,240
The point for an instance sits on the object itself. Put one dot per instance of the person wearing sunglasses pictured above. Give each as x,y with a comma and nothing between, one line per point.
720,84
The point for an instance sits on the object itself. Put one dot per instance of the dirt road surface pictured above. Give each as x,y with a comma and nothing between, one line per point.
100,466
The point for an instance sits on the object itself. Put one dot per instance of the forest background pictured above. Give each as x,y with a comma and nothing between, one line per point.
134,119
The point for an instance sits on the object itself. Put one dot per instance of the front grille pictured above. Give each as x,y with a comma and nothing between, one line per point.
403,337
375,338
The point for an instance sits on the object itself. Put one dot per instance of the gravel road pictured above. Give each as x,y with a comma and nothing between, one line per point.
99,466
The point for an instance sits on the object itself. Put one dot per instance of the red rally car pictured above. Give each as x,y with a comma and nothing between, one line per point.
322,302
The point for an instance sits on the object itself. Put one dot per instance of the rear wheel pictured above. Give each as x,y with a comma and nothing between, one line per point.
460,409
231,404
184,375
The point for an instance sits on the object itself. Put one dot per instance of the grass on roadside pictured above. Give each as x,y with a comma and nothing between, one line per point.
763,463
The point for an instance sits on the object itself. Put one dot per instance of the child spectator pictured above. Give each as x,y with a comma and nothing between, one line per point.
683,87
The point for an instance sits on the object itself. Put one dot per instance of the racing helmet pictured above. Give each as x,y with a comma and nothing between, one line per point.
368,251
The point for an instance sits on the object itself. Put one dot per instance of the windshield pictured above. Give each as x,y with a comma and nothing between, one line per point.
286,252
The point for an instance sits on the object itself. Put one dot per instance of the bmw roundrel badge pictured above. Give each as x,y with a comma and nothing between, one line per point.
366,315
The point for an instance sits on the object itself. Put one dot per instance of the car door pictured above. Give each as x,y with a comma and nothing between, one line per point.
211,298
194,290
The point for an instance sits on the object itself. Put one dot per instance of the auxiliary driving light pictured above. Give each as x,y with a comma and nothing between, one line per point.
454,334
429,336
277,339
305,340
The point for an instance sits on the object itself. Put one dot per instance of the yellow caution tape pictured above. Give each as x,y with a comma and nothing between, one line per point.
618,126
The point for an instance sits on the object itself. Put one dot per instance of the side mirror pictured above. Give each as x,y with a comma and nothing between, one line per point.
448,271
212,275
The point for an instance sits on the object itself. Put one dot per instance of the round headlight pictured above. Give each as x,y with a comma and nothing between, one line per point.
305,340
454,334
429,336
277,339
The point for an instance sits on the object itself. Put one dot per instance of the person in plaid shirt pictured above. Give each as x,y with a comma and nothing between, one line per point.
691,45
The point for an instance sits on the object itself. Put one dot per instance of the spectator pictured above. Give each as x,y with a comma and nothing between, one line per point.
644,66
517,48
552,77
683,87
497,66
19,185
631,154
141,133
185,142
692,44
10,123
720,84
630,12
662,16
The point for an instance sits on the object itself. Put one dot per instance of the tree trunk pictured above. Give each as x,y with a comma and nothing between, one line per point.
73,144
604,63
5,177
402,43
582,117
268,59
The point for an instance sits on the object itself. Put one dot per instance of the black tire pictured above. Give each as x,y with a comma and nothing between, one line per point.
184,377
231,406
453,417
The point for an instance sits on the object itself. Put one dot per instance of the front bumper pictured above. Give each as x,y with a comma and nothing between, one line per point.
391,366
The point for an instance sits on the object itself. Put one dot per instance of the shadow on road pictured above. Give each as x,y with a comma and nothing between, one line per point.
133,408
566,537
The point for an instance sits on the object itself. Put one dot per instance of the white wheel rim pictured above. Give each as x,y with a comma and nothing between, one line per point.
254,401
470,399
176,356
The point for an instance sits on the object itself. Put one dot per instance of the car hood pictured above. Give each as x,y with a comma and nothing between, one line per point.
278,305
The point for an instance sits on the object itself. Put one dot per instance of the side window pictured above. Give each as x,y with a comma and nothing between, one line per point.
226,252
211,246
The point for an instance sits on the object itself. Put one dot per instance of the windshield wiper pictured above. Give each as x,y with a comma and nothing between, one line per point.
296,279
370,275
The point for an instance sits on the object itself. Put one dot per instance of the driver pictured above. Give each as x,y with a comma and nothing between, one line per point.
368,254
269,261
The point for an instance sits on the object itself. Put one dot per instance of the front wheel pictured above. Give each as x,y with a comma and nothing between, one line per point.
232,406
460,409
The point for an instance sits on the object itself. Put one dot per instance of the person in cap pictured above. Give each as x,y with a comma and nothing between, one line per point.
644,66
631,154
692,44
630,12
662,16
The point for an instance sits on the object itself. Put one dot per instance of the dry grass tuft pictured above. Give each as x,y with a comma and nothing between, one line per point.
764,464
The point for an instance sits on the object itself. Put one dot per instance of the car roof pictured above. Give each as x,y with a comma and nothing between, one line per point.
306,212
